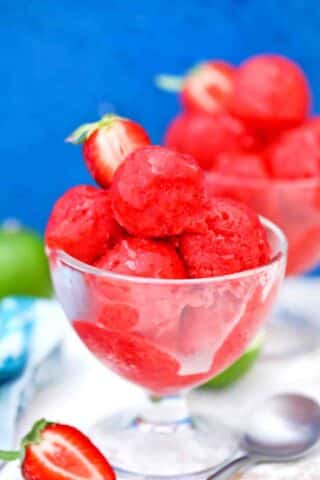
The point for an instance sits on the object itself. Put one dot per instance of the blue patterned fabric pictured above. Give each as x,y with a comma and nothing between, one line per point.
16,324
30,336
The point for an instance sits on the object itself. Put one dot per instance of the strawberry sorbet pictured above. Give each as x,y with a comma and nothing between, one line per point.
143,258
157,222
82,223
235,241
270,92
158,192
205,136
241,164
296,153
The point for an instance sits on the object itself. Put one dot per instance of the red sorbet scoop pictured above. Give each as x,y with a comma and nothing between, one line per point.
82,223
205,136
158,192
296,153
143,258
270,92
236,241
241,164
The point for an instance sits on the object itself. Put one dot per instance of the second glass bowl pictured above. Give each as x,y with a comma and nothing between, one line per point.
295,207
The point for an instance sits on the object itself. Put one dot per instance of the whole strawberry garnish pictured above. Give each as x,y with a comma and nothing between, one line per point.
106,143
51,451
207,87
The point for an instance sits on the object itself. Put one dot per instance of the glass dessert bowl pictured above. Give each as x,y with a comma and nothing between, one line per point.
294,205
167,336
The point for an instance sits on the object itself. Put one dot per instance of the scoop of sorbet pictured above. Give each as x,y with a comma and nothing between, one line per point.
157,192
270,92
296,153
241,165
205,136
236,240
82,223
143,258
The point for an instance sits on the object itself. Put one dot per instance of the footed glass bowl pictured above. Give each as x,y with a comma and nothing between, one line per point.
295,207
166,336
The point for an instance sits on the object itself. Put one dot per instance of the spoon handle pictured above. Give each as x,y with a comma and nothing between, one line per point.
230,466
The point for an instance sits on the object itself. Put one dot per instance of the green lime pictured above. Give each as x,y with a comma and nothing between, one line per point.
239,368
23,264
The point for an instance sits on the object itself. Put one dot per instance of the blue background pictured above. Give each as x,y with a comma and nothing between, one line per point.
66,62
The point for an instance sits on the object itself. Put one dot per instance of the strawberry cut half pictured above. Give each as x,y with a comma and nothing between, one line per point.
207,87
54,451
106,144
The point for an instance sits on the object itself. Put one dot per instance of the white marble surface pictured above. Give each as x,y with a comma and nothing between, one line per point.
85,391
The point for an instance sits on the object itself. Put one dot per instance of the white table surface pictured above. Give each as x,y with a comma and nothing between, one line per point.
86,391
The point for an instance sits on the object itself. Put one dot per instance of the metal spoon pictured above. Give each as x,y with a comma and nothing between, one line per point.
283,428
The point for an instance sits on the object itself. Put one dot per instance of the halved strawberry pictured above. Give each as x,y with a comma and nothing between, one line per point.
52,451
207,87
106,143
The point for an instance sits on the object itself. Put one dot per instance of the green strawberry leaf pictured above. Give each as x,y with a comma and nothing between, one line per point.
169,83
33,437
82,133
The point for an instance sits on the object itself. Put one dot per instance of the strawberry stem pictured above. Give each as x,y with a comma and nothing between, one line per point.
169,83
174,83
33,437
83,132
9,456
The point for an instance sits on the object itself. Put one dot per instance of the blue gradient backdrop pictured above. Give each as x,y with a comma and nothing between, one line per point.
65,62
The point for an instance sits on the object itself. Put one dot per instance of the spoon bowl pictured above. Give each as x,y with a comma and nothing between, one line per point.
283,428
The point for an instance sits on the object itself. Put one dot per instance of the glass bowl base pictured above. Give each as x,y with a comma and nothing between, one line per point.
189,448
